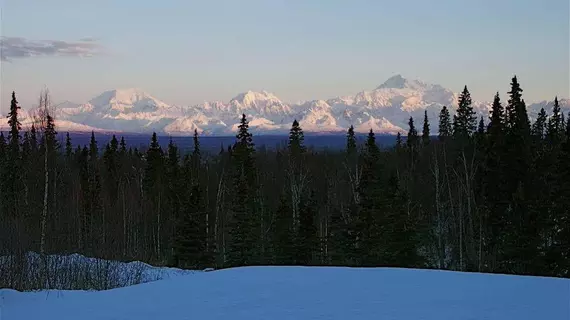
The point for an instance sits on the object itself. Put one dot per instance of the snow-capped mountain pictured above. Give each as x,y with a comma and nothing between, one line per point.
385,109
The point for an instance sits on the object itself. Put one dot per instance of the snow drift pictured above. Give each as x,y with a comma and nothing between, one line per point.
307,293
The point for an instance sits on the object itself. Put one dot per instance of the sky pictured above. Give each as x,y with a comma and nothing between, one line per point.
185,52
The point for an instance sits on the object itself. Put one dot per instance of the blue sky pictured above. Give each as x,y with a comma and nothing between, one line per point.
185,52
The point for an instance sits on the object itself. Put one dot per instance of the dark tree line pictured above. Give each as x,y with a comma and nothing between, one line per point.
488,195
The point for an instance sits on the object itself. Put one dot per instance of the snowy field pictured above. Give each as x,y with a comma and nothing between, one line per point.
306,293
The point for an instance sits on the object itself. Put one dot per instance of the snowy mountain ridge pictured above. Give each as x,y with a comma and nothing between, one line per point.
385,109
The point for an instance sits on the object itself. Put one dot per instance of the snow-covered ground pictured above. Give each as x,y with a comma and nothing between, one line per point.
306,293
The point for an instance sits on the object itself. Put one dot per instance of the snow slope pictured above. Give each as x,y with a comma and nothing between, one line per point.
307,293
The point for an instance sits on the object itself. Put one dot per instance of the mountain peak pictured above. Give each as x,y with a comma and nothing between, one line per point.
251,96
126,100
124,95
399,82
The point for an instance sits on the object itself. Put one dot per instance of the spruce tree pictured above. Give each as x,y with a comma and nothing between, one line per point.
2,145
3,171
154,167
190,248
244,231
539,125
93,148
413,139
554,127
307,240
465,121
284,236
425,131
515,96
196,151
14,166
371,148
445,128
516,113
481,127
111,161
26,149
123,146
520,237
33,139
15,126
365,226
174,184
296,170
496,127
398,238
563,121
296,139
480,133
68,146
495,193
399,141
568,128
350,141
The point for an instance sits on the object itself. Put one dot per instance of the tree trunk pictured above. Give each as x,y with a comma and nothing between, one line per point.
45,207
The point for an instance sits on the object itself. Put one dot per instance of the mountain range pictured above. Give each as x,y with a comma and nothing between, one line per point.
385,109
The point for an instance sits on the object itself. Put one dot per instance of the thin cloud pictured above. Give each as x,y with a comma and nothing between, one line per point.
18,48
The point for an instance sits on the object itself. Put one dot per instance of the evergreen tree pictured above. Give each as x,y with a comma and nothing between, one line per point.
173,178
371,148
516,114
153,191
296,139
539,125
520,238
244,231
123,146
365,226
15,126
154,167
93,148
465,121
33,139
350,141
554,127
196,152
563,121
412,141
3,171
307,242
190,241
568,128
111,161
284,236
497,123
2,146
398,141
481,127
173,160
445,129
398,245
495,193
68,146
26,149
13,186
425,131
480,133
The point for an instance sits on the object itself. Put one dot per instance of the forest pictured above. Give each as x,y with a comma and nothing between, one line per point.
479,195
